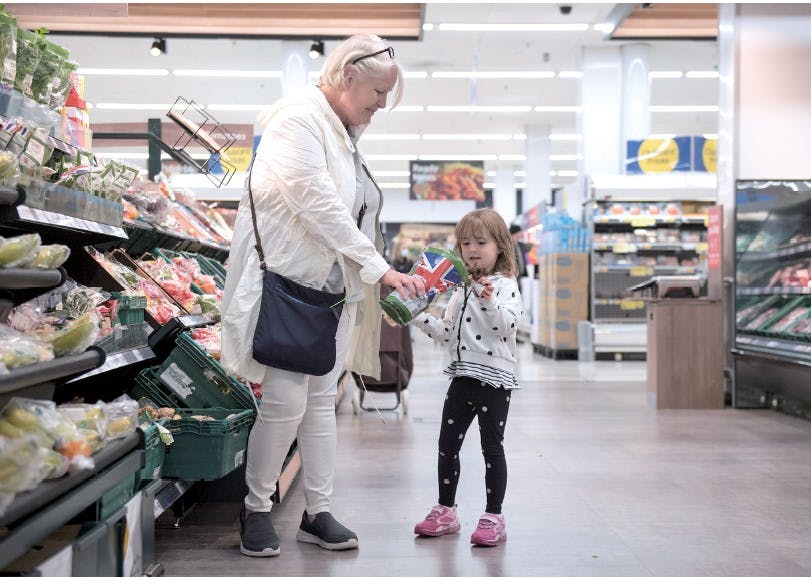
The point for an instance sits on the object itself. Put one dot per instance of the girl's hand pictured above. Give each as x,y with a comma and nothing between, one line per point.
408,286
483,288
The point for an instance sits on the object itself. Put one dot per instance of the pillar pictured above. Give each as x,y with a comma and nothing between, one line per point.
538,182
504,195
635,95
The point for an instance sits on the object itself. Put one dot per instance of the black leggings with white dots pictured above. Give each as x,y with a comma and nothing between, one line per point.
468,398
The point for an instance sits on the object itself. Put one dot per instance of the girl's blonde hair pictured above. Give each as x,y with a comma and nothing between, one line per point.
489,221
358,46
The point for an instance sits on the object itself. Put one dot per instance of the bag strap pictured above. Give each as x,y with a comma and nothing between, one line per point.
258,245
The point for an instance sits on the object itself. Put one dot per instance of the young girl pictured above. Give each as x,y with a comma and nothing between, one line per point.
479,327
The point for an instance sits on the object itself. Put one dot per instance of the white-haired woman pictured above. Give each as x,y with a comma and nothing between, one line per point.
317,211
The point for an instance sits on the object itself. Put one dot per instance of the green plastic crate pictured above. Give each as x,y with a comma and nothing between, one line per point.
210,266
147,385
197,379
114,499
207,450
154,451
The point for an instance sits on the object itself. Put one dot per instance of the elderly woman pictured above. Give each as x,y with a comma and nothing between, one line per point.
317,211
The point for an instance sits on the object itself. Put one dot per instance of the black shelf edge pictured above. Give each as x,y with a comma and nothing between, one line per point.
774,350
53,503
794,250
26,278
48,371
46,221
11,195
118,360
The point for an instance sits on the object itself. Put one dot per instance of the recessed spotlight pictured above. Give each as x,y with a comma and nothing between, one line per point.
316,49
158,47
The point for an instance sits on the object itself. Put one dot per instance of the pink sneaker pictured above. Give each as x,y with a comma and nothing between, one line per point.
440,521
490,532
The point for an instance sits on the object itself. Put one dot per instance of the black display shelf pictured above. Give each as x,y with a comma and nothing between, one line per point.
12,195
28,284
802,249
51,371
59,227
162,340
35,514
118,360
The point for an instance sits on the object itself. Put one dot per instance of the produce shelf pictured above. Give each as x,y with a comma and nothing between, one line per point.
49,371
763,291
62,226
53,503
118,360
11,195
24,278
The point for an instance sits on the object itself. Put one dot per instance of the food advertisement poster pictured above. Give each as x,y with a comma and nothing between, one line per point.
451,180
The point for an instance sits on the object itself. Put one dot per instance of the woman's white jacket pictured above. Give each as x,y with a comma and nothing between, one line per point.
304,187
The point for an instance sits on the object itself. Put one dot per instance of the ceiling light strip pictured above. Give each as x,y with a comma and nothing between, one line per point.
190,72
511,27
494,74
123,72
685,108
505,108
467,136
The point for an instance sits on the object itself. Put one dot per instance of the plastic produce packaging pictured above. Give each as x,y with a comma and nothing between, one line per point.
20,468
90,420
122,415
77,335
18,251
50,256
19,350
9,169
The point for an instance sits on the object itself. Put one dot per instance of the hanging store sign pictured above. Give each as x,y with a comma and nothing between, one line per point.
658,155
705,154
455,180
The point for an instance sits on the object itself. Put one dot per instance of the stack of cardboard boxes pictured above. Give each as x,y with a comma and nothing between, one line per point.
563,299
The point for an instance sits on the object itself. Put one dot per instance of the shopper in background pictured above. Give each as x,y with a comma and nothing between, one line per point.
520,249
479,328
317,210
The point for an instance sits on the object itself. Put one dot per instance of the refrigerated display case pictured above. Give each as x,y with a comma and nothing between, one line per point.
772,345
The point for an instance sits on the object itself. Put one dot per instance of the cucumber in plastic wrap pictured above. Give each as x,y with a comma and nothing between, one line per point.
50,256
19,250
77,336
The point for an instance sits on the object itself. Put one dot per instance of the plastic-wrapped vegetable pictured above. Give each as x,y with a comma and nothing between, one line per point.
122,415
8,49
27,60
19,350
77,336
50,256
19,467
51,58
62,84
90,420
19,250
9,169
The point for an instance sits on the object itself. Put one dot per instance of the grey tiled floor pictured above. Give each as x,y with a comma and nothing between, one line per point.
600,484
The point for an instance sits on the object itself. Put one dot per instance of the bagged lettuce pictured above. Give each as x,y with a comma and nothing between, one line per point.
19,250
50,256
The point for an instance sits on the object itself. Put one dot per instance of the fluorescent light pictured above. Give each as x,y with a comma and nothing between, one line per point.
519,157
563,157
521,173
228,73
393,185
512,27
604,27
699,108
467,136
391,172
505,108
557,109
491,173
567,173
404,108
701,74
565,137
665,74
495,74
457,157
570,74
131,106
710,136
237,107
390,156
519,136
553,173
428,27
123,71
367,137
415,74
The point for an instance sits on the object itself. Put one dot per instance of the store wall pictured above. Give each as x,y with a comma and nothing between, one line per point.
774,91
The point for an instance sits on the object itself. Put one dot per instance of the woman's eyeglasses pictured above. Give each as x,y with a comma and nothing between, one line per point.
388,50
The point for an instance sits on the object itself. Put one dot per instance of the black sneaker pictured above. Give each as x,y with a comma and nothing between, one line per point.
326,532
257,536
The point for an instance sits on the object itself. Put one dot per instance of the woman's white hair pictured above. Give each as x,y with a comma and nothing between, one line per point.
358,46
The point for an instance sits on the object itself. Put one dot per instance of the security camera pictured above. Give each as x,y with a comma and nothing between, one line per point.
565,9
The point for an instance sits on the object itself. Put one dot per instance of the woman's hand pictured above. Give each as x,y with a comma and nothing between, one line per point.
408,286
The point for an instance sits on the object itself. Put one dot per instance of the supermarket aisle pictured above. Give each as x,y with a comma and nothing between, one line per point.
599,485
